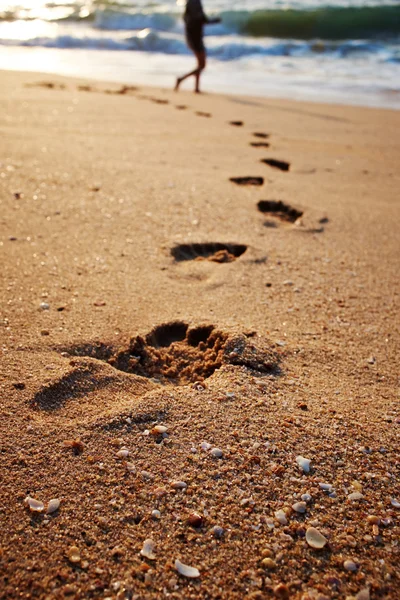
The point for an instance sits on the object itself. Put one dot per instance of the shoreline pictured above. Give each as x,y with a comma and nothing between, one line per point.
200,295
159,70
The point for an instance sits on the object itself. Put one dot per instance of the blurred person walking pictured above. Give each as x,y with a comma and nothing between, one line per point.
195,19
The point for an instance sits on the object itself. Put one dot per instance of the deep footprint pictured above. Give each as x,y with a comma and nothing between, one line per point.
214,252
282,165
247,180
279,209
236,123
176,354
261,135
260,144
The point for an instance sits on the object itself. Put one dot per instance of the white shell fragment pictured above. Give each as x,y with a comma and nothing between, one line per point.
216,453
159,429
53,505
299,507
123,453
280,516
355,496
130,467
315,539
147,550
185,570
395,503
34,505
304,463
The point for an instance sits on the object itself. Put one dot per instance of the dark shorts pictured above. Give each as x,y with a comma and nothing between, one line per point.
194,37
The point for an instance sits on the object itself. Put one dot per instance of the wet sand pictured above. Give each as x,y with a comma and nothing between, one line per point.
175,343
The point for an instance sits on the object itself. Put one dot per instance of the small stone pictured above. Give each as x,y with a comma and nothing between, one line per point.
74,555
395,503
44,306
186,571
299,507
205,446
306,497
34,505
280,516
355,496
217,531
159,429
216,453
315,539
123,453
156,514
373,520
363,594
179,485
130,467
195,520
268,563
53,506
148,549
327,487
304,463
350,565
281,591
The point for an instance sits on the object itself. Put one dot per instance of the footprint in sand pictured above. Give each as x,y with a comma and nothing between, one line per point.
282,165
247,180
213,252
260,144
261,135
159,101
174,353
280,210
125,89
200,113
236,123
181,107
50,85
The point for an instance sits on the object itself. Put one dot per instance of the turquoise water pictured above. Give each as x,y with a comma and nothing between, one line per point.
349,49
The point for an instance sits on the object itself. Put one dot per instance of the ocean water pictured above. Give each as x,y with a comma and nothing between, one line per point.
341,50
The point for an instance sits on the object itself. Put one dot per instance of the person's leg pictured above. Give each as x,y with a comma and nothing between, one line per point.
201,62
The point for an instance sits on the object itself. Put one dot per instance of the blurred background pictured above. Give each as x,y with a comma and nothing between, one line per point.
345,51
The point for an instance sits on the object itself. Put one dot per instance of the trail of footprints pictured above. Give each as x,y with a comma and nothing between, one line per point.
172,353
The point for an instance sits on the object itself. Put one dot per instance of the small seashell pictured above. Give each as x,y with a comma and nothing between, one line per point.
216,453
156,514
185,570
53,505
306,497
268,563
34,505
355,496
350,565
395,502
299,507
159,429
74,555
130,467
304,463
315,539
147,550
205,446
280,516
123,453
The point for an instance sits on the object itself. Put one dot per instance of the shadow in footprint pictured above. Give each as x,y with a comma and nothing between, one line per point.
174,353
236,123
125,89
213,252
280,210
260,144
247,180
282,165
261,135
200,113
181,107
50,85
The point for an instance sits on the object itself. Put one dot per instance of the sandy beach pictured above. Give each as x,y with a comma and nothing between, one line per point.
199,345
